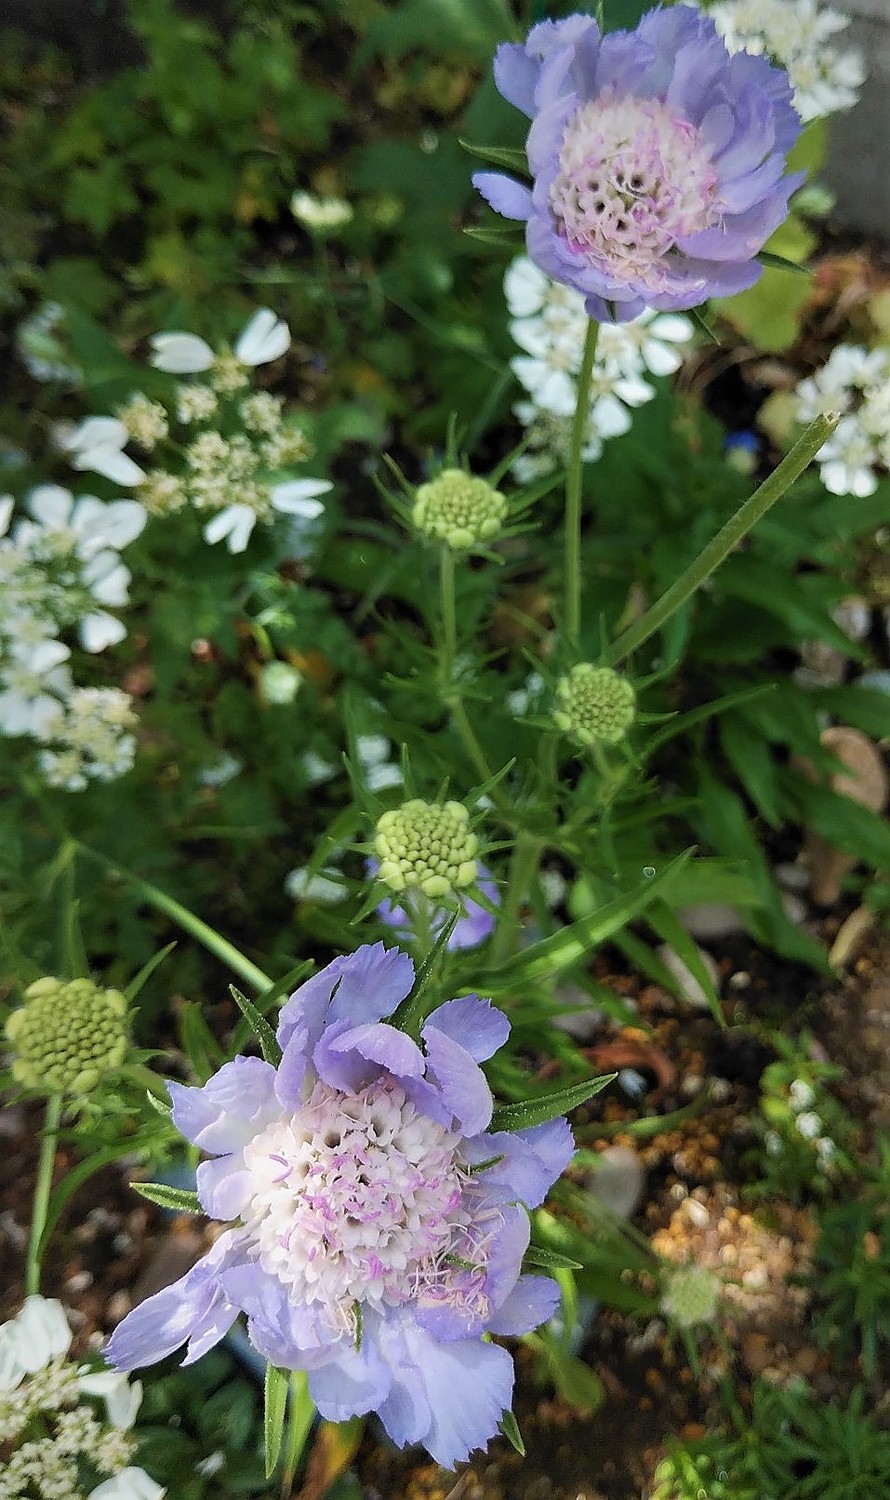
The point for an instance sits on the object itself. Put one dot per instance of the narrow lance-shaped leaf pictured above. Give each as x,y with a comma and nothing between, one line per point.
530,1112
768,258
273,1415
510,1428
500,156
571,944
259,1025
415,1008
180,1200
538,1258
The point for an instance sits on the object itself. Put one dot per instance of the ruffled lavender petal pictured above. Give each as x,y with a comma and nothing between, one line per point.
224,1187
195,1308
288,1334
533,1300
468,1386
363,986
356,1382
351,1058
530,1161
229,1109
479,1028
462,1083
505,195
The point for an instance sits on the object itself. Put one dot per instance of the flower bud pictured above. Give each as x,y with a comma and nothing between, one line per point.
595,704
67,1036
279,683
691,1295
426,846
459,510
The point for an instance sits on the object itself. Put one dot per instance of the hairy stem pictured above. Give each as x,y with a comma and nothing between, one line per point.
574,481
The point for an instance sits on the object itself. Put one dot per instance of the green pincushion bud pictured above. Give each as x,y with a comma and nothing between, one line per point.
595,704
691,1295
459,510
67,1035
426,846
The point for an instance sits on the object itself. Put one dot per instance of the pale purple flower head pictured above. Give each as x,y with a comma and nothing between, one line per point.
658,159
379,1225
474,925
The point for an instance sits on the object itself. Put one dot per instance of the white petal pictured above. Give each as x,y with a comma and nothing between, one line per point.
660,358
111,463
180,353
100,630
525,288
673,327
114,524
611,419
265,338
296,497
235,523
96,432
129,1484
7,505
50,504
42,1332
122,1399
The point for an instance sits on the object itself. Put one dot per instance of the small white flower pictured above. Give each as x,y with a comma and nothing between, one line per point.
809,1125
180,353
801,1094
264,338
7,506
41,1333
122,1398
847,459
320,214
279,683
27,672
234,525
297,497
773,1142
97,444
88,525
220,772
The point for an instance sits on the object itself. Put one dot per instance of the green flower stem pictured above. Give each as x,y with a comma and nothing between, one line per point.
212,940
523,866
727,538
574,482
449,615
451,698
300,1416
42,1192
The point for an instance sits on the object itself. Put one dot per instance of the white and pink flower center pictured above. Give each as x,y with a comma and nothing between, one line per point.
633,179
356,1198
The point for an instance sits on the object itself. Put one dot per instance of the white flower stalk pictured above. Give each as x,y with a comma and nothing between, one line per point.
797,34
549,324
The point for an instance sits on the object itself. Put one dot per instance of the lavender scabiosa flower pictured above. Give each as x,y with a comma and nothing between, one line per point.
658,160
379,1224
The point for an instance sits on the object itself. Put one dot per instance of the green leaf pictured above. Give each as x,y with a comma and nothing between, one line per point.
494,234
260,1027
530,1112
273,1416
198,1042
665,923
415,1008
500,156
573,943
138,983
510,1428
538,1257
180,1200
780,263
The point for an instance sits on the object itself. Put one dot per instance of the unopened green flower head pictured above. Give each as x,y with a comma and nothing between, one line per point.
691,1295
595,704
427,846
67,1035
459,510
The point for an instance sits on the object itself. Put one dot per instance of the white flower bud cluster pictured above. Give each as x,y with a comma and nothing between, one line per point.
52,1427
549,323
61,571
854,381
795,33
231,470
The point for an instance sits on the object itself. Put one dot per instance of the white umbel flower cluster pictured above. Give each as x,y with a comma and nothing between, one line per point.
61,573
797,34
549,323
854,381
57,1439
226,446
